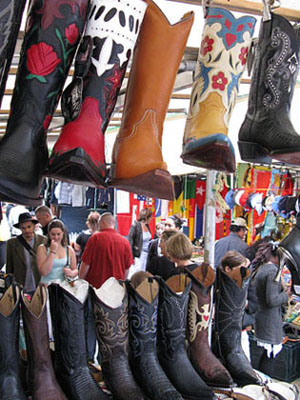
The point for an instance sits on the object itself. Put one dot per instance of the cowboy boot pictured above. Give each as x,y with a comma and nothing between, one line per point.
40,370
11,12
143,302
267,131
203,360
68,305
10,385
52,33
289,249
79,154
171,333
231,294
221,62
137,163
110,305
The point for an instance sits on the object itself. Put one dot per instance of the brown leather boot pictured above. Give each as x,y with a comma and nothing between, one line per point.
137,161
41,374
204,361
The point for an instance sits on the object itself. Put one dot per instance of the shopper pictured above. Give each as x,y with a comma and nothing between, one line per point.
139,237
44,216
56,260
154,244
92,224
173,222
180,250
161,265
234,241
271,296
21,253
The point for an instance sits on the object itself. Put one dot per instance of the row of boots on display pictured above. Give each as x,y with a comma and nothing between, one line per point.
105,33
141,330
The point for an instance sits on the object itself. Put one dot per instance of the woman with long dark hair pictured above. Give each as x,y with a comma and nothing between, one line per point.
56,260
270,296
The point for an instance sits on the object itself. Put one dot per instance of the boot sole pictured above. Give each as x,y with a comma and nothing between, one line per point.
15,196
156,183
212,153
75,166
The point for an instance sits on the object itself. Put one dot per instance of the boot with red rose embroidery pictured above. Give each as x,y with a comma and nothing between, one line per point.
53,31
78,155
11,12
221,62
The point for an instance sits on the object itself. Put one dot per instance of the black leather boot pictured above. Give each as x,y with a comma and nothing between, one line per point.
68,306
10,385
171,333
52,34
110,306
290,252
267,131
199,316
11,12
230,301
40,370
143,303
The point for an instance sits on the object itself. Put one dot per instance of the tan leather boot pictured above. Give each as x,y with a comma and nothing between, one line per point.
137,161
221,62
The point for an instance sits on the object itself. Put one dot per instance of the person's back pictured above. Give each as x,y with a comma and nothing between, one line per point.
106,254
234,241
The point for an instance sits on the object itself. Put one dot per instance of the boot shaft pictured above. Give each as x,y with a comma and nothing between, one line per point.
111,326
68,314
172,314
221,61
158,40
11,11
275,70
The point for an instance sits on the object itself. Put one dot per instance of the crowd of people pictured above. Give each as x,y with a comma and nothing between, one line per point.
42,252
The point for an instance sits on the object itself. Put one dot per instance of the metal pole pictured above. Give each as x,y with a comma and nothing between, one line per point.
210,219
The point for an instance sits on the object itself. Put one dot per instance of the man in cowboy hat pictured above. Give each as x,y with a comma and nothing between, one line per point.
21,253
234,241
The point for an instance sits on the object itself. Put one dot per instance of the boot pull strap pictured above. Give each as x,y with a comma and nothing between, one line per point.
150,280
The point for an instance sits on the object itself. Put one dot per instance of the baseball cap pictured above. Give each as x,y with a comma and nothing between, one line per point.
239,222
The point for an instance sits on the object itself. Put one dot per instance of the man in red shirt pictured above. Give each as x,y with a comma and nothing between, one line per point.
106,254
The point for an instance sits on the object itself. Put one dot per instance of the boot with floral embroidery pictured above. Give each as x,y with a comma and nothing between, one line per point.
221,62
52,33
78,155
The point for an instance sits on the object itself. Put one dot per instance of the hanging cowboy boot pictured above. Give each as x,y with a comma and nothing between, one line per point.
289,249
11,12
110,305
171,333
10,385
79,154
40,370
143,302
68,305
221,62
267,131
52,33
137,162
231,293
203,360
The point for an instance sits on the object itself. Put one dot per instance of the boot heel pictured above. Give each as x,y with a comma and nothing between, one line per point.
254,153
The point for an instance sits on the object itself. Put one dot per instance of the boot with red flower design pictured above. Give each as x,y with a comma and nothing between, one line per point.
53,31
221,62
78,156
